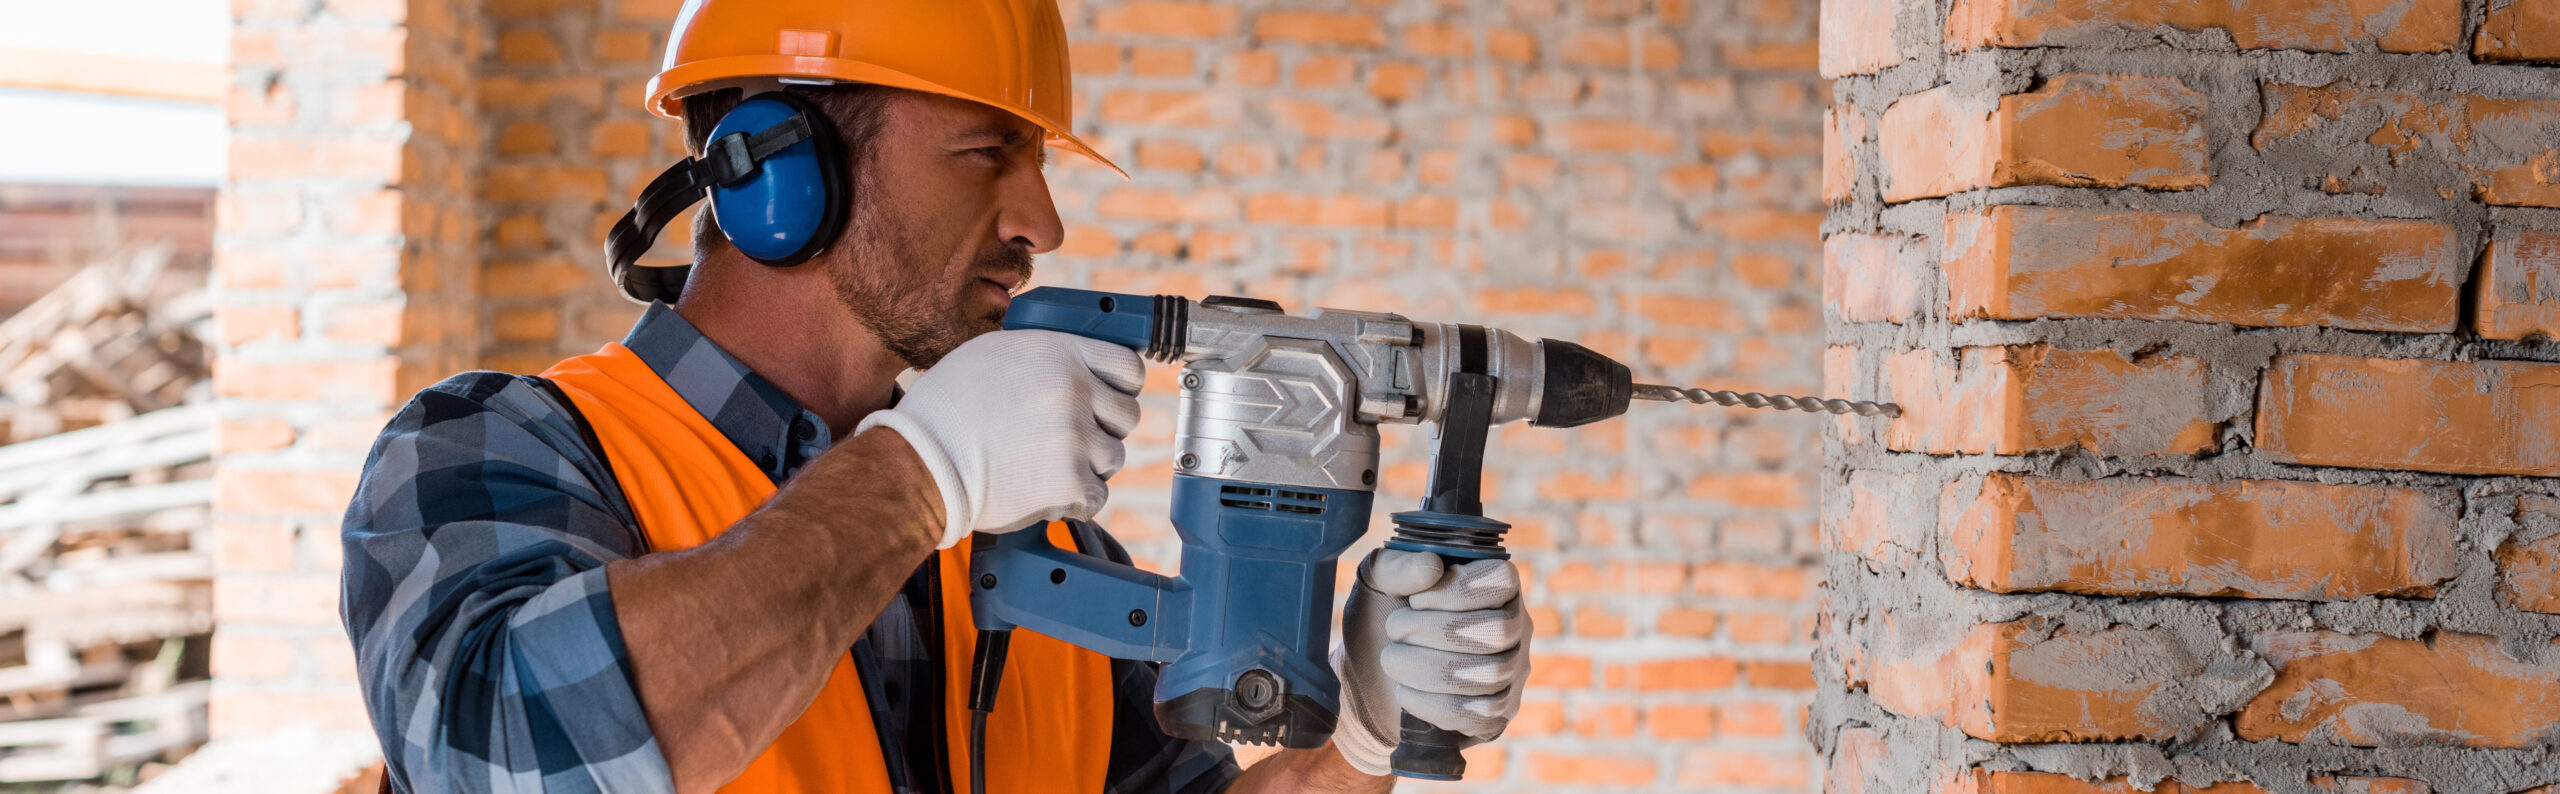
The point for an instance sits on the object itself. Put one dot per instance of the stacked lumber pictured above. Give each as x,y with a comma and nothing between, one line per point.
118,339
105,576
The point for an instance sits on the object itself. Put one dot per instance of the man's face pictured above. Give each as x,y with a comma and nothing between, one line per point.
947,213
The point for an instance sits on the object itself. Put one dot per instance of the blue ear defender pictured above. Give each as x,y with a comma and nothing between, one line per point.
774,170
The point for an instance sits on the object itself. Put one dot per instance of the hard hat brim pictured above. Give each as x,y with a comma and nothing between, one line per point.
666,95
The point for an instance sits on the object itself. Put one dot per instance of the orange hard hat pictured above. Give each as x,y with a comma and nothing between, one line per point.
1010,54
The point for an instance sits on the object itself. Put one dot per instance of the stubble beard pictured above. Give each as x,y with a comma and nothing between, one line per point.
892,286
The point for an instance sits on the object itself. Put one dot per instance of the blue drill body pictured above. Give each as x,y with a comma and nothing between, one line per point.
1275,475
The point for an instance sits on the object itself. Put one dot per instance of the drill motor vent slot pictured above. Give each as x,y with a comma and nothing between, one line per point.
1247,497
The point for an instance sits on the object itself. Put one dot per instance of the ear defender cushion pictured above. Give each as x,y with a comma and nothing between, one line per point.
795,204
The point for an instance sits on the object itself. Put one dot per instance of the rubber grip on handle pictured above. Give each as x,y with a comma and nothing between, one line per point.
1427,751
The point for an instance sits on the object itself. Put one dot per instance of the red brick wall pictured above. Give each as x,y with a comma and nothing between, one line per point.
2223,334
1639,176
343,278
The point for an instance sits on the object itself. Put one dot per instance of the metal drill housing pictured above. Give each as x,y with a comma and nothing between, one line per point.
1275,470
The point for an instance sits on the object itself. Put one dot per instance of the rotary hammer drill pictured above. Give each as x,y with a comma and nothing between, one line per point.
1275,466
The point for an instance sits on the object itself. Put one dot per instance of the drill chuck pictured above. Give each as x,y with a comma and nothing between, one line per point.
1580,386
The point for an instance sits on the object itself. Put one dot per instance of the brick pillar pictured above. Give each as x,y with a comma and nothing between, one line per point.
2225,339
345,275
571,146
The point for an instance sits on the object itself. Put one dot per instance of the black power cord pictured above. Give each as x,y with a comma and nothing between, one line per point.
986,675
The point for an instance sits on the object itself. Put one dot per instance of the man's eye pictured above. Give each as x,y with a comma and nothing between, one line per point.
995,153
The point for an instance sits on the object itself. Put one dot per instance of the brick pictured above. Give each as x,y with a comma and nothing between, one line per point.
1791,56
1507,44
2506,151
1551,671
1183,20
1439,40
1616,136
2519,31
1597,621
1621,49
1984,781
307,599
366,380
1323,120
2031,398
1857,37
1674,675
1754,627
1323,70
1763,490
1719,767
251,435
1174,108
1844,132
2315,25
2369,691
1590,770
1294,209
1754,581
1162,61
1534,300
625,46
345,157
2015,262
242,656
2463,417
244,711
622,139
1685,622
1095,57
2078,130
529,183
1869,278
1248,68
527,48
2529,570
1783,675
2518,293
246,323
1337,28
2017,682
1677,721
1766,720
2013,533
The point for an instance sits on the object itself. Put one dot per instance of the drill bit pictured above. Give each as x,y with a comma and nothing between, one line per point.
1648,391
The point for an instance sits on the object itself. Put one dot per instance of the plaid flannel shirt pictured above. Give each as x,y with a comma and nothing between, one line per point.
475,591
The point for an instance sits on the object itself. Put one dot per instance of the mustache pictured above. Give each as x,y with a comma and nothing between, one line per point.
1012,259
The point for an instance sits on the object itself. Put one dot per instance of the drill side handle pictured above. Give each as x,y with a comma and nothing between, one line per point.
1020,579
1451,524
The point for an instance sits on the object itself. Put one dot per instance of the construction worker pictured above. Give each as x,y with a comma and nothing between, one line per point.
727,553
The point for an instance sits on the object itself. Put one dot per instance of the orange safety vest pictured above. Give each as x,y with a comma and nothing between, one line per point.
1051,730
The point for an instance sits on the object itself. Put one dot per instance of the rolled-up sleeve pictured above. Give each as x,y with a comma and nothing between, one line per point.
474,590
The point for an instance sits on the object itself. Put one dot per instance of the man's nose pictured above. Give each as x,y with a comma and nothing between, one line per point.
1027,216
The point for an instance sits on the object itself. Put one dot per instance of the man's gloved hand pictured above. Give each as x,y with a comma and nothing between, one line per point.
1020,427
1449,644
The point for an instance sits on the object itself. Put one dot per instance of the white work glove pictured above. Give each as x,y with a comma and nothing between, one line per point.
1020,427
1450,645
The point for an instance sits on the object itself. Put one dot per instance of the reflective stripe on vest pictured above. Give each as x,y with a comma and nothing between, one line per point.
1051,730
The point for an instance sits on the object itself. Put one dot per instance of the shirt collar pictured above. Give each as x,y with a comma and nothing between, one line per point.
766,424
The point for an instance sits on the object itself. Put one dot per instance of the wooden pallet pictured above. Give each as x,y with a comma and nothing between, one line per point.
99,737
102,499
118,339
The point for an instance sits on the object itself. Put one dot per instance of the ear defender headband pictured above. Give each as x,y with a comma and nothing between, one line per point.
774,169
